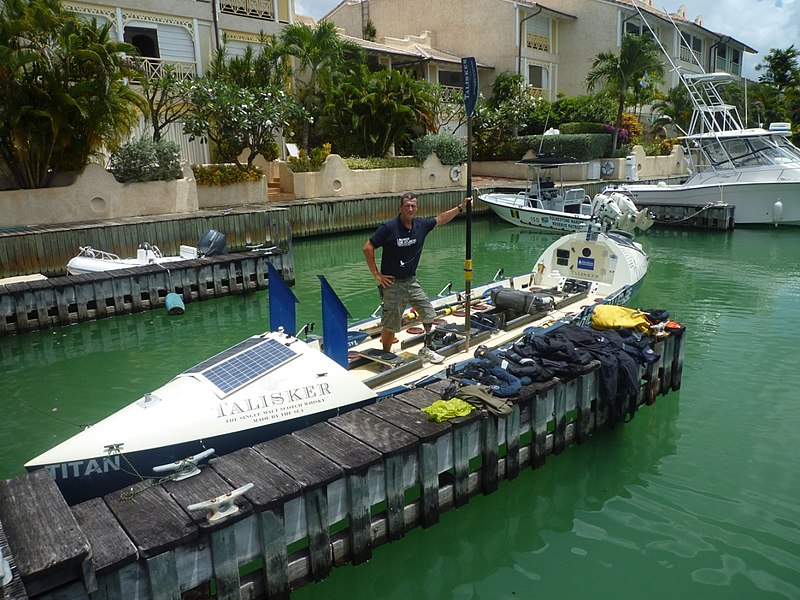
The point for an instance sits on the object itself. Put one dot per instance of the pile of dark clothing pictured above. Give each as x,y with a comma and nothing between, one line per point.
565,352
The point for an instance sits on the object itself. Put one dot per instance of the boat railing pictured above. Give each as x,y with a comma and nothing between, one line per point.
90,252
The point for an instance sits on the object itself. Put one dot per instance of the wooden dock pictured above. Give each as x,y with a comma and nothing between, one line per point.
322,497
45,303
46,249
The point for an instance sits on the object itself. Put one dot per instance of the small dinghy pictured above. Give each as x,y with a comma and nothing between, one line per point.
92,260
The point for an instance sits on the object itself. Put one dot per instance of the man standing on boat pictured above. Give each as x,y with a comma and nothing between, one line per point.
402,239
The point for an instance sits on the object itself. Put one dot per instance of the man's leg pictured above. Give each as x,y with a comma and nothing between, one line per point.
394,304
387,337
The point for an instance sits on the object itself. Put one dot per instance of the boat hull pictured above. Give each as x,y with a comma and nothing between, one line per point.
103,474
535,219
756,203
261,388
80,265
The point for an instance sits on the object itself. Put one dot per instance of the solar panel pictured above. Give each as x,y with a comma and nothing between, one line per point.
230,370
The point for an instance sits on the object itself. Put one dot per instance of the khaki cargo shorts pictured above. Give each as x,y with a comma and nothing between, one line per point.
398,296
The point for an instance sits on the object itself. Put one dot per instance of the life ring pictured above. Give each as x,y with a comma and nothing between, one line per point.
606,168
455,174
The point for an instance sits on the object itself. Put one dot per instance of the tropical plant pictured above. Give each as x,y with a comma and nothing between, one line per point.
320,53
225,174
252,69
506,87
146,160
369,31
673,110
619,73
781,68
356,163
236,119
780,85
63,91
448,148
445,107
166,95
303,163
367,113
589,108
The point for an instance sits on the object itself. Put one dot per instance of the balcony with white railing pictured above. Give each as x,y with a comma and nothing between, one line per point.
534,41
257,9
537,92
451,94
155,68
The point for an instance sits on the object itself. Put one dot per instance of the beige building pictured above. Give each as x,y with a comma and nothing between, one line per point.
552,44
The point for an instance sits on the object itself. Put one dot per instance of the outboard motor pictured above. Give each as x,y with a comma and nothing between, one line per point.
521,301
212,244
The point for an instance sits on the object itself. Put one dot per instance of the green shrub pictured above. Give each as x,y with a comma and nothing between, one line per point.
225,174
355,163
146,160
584,146
311,161
665,146
581,127
449,148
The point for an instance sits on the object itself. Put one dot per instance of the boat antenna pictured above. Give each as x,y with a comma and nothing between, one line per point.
546,121
469,72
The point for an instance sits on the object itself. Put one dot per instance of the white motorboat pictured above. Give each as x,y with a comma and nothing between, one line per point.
92,260
274,383
547,205
754,169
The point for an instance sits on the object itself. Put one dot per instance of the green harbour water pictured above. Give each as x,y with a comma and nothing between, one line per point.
697,497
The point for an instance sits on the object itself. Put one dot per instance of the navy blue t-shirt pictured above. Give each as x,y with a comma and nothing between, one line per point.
401,246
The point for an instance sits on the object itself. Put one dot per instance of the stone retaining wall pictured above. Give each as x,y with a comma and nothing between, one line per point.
335,179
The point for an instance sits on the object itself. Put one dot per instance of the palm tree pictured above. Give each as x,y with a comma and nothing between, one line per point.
638,59
368,112
63,91
674,108
320,53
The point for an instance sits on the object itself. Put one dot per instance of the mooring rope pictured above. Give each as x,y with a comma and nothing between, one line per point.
184,466
692,216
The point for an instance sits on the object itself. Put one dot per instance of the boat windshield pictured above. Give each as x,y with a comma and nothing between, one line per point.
749,151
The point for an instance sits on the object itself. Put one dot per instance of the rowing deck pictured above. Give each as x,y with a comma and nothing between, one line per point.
321,497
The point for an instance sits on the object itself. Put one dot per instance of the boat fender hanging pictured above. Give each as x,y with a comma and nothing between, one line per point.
777,212
174,304
455,173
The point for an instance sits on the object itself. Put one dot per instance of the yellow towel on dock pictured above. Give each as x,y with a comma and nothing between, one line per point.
608,316
442,410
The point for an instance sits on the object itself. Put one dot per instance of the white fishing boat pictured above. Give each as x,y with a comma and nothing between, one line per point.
92,260
754,169
548,205
274,383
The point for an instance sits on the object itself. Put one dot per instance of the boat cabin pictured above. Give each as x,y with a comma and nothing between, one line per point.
546,192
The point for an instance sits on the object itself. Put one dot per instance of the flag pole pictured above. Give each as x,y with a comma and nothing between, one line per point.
469,70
